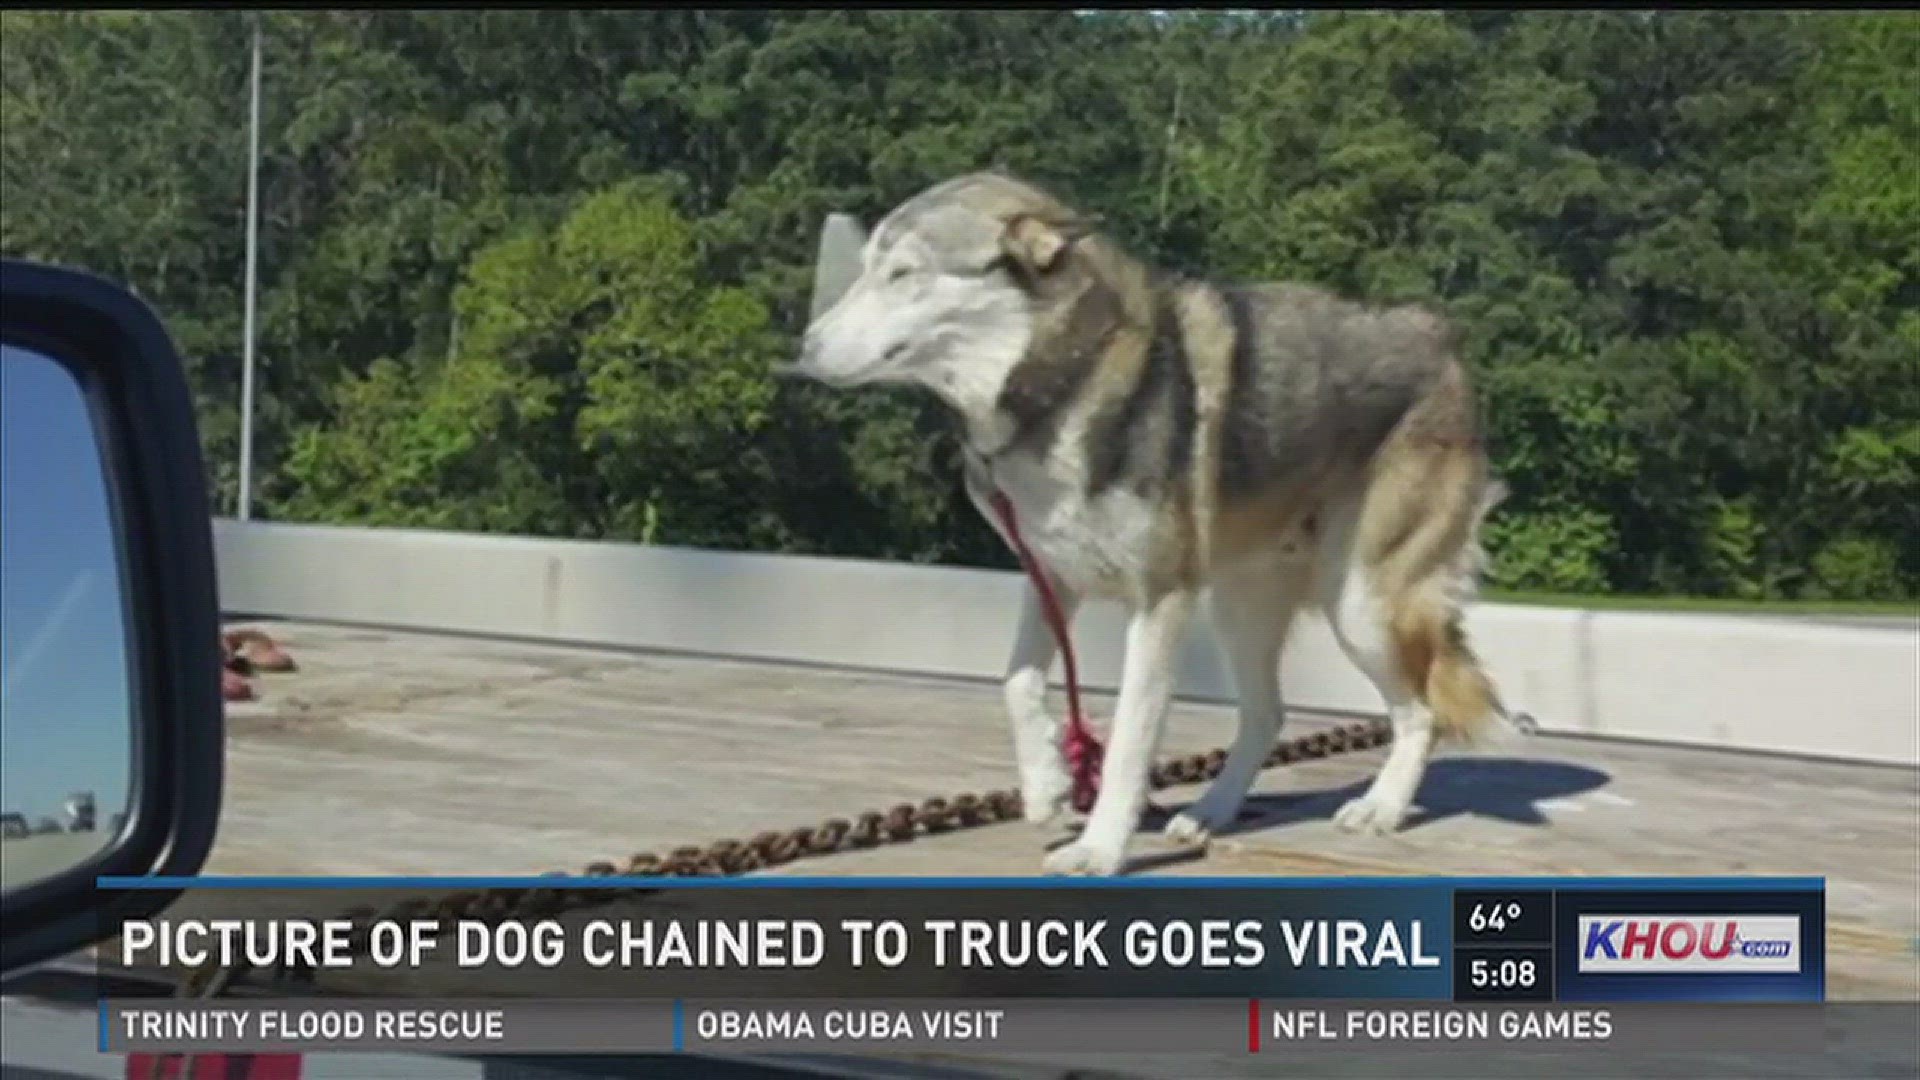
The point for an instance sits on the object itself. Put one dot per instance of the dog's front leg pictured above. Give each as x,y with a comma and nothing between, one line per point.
1154,636
1045,783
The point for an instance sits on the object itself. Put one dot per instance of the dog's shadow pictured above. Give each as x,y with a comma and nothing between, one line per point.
1504,789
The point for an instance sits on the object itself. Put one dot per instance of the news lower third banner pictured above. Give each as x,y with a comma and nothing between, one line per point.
570,965
1107,1026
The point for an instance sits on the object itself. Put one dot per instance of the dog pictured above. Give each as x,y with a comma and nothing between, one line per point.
1158,436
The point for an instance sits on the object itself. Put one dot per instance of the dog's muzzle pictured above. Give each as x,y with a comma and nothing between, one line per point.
807,364
811,365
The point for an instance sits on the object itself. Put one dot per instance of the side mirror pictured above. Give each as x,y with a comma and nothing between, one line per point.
111,723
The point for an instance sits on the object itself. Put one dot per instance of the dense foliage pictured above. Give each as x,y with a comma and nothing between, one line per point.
528,272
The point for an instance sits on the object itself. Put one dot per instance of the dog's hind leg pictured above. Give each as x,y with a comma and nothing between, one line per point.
1359,615
1253,607
1393,596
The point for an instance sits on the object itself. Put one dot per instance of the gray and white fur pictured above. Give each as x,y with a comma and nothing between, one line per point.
1158,436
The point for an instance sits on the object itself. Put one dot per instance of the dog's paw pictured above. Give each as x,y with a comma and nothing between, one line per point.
1197,823
1045,793
1086,859
1371,814
1185,828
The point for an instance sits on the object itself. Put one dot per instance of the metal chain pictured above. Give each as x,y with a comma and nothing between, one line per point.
900,824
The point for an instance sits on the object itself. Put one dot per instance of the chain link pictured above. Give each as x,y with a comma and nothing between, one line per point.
899,824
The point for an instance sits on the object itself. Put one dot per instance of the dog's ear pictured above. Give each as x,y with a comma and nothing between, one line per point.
1038,241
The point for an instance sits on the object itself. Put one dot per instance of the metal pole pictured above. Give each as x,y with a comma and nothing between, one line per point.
253,244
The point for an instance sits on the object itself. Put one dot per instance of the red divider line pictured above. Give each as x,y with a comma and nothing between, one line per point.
214,1066
1253,1025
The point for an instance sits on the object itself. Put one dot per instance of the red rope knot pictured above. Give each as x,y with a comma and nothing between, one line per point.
1084,753
1082,749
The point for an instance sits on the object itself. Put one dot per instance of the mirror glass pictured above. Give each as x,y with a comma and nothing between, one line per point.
66,706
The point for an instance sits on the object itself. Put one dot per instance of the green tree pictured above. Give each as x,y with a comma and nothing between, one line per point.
527,271
596,343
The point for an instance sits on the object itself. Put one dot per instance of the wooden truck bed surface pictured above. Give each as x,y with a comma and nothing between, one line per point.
406,753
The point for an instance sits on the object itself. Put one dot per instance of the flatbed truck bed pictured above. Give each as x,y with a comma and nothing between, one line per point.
397,753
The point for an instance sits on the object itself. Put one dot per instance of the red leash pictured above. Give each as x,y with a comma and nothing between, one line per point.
1082,749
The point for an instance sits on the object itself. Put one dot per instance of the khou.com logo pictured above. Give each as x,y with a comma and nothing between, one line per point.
1729,943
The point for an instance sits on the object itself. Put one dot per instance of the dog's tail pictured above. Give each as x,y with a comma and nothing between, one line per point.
1471,566
1446,674
1434,654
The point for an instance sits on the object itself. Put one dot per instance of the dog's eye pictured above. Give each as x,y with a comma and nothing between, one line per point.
898,273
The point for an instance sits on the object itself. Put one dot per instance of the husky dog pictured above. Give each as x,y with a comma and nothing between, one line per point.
1157,436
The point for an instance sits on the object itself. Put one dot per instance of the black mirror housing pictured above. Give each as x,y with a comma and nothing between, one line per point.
136,388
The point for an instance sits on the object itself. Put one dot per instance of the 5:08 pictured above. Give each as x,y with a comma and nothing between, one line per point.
1511,972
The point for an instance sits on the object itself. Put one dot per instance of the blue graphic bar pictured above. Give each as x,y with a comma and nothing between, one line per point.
1717,884
1493,939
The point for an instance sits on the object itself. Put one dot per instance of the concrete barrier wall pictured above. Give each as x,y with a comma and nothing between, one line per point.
1802,685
